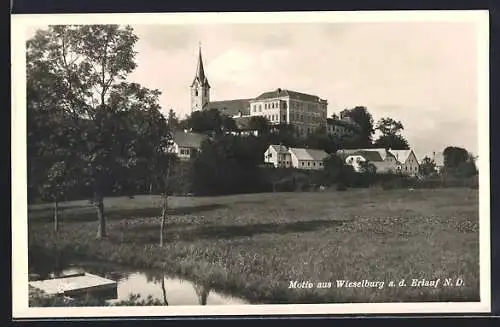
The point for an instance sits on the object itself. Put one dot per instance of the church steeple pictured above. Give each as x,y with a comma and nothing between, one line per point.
200,71
200,89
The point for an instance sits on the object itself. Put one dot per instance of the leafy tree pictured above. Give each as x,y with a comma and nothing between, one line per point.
391,135
427,167
225,165
395,142
453,156
87,64
364,119
172,119
321,140
260,124
210,122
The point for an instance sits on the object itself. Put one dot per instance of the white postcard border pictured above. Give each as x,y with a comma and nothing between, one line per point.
19,24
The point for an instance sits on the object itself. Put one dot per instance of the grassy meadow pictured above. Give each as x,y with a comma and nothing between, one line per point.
253,245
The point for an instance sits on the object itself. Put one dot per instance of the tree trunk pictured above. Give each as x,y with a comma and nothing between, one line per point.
164,198
164,290
56,217
101,228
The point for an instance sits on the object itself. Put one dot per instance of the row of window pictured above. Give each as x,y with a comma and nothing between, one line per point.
314,163
184,152
258,107
304,118
274,117
302,163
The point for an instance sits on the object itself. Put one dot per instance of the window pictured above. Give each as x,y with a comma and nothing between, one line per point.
308,163
260,108
314,164
254,108
321,164
284,117
284,105
196,93
302,163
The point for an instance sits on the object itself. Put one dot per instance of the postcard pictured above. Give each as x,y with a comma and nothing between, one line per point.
280,163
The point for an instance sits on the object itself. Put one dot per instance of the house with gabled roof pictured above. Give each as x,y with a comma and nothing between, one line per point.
301,158
311,159
278,155
186,143
385,160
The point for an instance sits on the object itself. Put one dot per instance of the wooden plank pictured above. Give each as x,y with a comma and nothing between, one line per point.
76,283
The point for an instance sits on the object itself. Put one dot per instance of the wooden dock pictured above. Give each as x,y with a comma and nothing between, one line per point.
76,285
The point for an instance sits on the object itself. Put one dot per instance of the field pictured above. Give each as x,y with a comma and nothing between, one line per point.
253,245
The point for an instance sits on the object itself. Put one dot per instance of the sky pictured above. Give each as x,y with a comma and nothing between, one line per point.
423,74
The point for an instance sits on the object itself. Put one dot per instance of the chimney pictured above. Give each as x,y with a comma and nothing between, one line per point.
279,90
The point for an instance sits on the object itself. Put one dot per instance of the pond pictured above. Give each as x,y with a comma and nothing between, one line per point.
176,291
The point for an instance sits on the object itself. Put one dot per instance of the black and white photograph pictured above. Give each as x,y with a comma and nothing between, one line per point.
250,163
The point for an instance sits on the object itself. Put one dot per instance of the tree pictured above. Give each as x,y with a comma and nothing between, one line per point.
454,156
364,119
260,124
391,135
394,142
172,119
427,167
86,63
321,140
210,122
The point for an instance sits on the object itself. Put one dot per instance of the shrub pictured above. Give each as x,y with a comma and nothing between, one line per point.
341,187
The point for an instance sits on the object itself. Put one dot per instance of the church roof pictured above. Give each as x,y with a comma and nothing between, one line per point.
231,107
200,72
278,93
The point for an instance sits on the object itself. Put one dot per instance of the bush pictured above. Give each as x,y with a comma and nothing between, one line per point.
341,187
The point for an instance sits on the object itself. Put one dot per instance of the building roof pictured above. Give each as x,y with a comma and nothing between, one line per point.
279,148
200,72
189,139
381,151
308,154
231,107
278,93
372,156
401,155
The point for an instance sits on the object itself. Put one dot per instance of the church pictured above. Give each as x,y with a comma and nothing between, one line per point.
305,112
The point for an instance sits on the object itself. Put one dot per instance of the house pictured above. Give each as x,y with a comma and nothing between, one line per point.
384,160
307,158
342,128
186,143
300,158
243,124
409,164
278,155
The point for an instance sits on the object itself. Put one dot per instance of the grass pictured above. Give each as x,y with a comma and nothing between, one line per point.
253,245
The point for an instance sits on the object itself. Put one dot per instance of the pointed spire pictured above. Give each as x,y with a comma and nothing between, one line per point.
200,72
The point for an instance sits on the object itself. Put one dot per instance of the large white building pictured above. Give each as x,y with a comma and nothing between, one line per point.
305,112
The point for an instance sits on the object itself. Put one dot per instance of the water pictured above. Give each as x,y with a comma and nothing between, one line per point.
149,283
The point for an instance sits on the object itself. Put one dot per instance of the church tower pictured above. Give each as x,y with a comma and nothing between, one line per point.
200,89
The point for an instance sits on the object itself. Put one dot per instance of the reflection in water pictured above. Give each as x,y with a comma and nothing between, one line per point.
154,283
